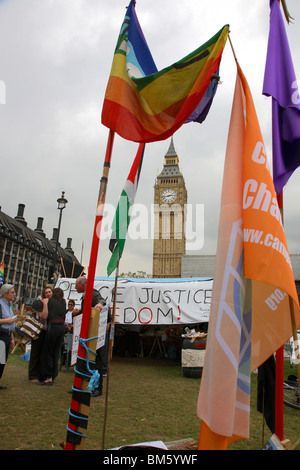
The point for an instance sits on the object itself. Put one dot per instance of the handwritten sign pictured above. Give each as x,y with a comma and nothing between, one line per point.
151,302
76,333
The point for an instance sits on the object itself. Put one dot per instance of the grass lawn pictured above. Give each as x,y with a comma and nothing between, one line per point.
148,399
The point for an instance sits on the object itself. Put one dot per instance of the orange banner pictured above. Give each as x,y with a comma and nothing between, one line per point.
265,248
250,316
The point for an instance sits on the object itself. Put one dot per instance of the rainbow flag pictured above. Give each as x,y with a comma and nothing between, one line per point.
2,273
143,104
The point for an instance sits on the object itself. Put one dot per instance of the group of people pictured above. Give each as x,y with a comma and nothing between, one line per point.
46,349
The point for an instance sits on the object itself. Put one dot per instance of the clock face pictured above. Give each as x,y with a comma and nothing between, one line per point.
168,195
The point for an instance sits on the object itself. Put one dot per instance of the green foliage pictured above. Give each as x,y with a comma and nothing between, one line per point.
138,274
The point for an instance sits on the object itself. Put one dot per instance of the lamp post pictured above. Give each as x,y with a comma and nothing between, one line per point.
62,202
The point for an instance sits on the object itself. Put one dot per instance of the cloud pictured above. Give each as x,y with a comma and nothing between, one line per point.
55,66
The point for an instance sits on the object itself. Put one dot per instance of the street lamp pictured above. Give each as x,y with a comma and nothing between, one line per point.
62,202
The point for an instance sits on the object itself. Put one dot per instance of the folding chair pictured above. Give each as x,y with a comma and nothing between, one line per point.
19,341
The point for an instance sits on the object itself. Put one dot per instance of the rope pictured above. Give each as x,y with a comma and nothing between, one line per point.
93,376
75,432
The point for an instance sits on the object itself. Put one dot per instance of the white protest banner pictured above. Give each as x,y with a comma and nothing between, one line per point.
151,302
76,333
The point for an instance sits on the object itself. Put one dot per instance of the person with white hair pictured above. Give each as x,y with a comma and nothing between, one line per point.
97,299
7,325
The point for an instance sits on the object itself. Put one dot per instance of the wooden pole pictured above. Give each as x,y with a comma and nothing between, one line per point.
62,265
233,52
92,267
279,375
73,269
84,408
82,272
110,350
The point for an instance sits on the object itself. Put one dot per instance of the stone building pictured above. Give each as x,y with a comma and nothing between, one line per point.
30,258
170,198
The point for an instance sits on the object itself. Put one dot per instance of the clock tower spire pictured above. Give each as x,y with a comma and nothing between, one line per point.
170,197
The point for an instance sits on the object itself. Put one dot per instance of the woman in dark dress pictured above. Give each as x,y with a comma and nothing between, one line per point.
34,367
54,311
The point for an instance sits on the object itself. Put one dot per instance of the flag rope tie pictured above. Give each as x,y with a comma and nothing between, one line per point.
75,432
92,374
77,418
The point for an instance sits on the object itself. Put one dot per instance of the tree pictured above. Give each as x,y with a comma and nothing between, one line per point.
138,274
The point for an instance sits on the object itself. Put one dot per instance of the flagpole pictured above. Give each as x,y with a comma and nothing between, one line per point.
73,266
110,350
233,52
92,270
279,421
279,368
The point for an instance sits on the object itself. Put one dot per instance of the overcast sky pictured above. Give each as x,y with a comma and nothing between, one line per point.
55,60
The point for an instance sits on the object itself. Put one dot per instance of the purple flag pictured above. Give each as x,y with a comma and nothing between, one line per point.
280,83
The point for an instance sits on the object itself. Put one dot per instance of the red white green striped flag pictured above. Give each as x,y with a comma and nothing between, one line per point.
122,216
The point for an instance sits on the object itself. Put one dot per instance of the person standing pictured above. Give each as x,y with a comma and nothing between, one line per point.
66,346
69,314
34,367
7,325
97,299
54,311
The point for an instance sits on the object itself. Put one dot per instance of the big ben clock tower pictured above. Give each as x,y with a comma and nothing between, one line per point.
170,197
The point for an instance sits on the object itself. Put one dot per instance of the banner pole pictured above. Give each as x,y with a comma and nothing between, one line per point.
279,368
92,271
279,394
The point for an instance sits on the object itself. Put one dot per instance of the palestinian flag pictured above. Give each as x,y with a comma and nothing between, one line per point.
122,216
